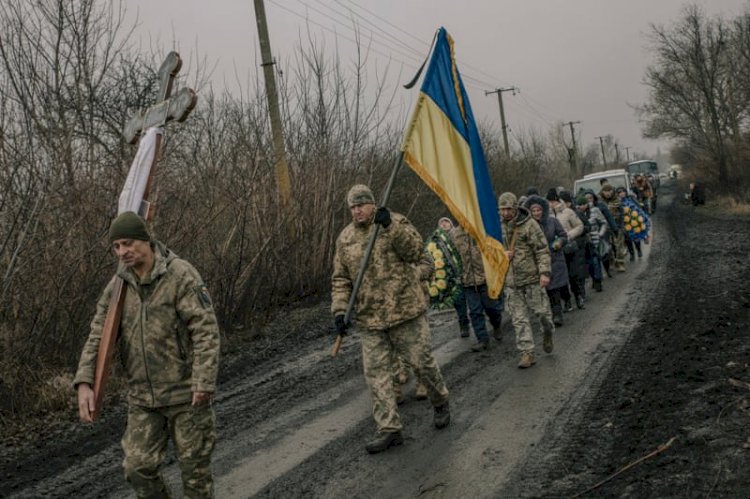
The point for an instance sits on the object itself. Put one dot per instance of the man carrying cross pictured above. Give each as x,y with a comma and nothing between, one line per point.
158,312
169,345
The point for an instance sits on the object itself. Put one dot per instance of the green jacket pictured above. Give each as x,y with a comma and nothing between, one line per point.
471,257
391,292
169,337
531,254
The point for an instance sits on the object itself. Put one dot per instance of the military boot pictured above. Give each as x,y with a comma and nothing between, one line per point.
442,415
383,440
620,266
597,285
527,360
547,342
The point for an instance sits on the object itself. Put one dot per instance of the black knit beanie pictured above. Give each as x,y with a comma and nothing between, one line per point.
565,196
552,195
128,225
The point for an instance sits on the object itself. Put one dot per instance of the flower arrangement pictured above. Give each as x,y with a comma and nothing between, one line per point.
635,221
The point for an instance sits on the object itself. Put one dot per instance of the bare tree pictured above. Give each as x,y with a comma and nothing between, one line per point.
690,87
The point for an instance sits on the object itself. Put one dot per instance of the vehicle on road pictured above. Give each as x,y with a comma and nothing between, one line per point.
644,167
617,178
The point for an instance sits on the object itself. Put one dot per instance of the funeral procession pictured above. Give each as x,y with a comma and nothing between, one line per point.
374,249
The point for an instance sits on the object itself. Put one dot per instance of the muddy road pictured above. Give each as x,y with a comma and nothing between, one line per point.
293,421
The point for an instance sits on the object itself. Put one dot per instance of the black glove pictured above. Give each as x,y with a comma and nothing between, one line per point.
341,327
383,217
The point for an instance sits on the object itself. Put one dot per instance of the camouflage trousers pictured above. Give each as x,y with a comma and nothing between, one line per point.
522,302
407,341
619,249
193,433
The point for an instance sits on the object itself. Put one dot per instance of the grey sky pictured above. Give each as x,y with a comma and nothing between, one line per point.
572,59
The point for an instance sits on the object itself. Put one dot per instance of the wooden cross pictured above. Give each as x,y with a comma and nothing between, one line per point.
166,109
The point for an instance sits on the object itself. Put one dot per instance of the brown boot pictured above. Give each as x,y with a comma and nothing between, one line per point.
620,266
527,360
383,440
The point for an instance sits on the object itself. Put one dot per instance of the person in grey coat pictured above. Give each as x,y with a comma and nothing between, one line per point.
556,239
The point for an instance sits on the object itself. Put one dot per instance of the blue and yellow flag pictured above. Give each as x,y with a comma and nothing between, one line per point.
442,146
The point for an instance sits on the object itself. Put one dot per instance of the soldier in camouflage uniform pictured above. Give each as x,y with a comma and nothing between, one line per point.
528,274
617,236
169,347
390,310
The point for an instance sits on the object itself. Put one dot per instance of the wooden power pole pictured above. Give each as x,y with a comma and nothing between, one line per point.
601,144
282,169
499,93
573,151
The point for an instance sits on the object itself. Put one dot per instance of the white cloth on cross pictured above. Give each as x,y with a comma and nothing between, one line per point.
131,197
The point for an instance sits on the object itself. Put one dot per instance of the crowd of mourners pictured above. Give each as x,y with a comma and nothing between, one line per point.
565,242
554,243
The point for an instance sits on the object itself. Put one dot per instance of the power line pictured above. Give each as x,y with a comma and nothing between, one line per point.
477,70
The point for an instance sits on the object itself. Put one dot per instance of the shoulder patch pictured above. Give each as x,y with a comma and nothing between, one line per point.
202,292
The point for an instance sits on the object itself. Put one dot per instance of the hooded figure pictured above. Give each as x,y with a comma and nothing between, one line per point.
556,240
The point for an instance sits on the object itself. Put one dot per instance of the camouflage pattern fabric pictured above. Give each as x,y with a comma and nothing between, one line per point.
471,257
522,302
193,432
391,292
408,341
169,337
531,254
619,249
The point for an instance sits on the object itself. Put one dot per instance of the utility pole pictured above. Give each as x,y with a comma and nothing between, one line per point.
282,168
627,153
601,144
499,93
617,154
573,151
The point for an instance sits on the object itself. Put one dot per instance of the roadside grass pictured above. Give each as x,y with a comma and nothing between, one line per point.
46,395
734,206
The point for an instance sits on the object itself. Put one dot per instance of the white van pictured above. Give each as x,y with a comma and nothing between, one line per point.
593,181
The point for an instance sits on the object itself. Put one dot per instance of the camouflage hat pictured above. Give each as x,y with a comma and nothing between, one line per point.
582,199
359,194
128,225
507,200
607,188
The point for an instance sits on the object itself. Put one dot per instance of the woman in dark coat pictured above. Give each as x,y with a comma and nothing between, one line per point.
556,239
576,255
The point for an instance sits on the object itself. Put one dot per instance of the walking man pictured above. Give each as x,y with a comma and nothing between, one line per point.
169,346
528,275
475,290
390,310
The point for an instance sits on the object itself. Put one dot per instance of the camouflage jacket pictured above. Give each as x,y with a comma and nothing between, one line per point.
169,337
471,257
391,290
614,207
531,254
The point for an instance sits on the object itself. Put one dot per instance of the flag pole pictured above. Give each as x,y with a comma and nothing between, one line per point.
368,252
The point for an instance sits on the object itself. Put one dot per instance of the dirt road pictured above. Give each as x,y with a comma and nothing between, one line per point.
293,421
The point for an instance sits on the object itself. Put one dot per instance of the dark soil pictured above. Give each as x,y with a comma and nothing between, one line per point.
669,381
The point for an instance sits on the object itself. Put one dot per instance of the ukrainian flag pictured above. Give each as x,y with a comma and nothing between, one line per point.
442,146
